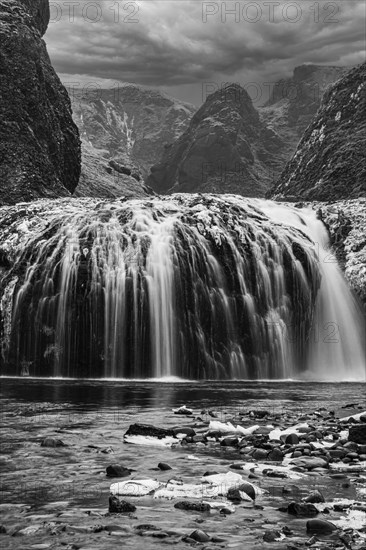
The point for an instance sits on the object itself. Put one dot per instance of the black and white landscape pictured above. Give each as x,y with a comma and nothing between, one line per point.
183,274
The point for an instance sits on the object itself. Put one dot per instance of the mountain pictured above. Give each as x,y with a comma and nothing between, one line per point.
329,162
39,142
226,148
108,179
294,101
129,124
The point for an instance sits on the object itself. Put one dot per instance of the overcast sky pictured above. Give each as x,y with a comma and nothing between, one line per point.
188,47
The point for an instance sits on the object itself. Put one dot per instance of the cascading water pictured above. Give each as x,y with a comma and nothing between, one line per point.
195,286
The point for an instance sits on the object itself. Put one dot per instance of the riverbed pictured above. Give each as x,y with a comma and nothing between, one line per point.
58,497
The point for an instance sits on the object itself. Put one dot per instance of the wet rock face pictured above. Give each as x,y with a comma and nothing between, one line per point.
39,143
226,149
329,163
346,223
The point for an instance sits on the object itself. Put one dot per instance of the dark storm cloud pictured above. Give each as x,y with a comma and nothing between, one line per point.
167,43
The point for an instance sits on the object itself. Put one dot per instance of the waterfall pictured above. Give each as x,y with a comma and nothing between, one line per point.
194,286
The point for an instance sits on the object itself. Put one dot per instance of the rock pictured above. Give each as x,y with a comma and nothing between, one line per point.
320,527
302,509
229,442
271,535
260,454
117,506
337,453
149,431
39,142
238,493
192,506
276,455
183,430
116,470
314,497
357,433
291,439
309,463
2,529
183,410
164,466
52,442
248,488
258,413
200,536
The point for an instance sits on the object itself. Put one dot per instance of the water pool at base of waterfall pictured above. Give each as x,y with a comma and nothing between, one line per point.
62,493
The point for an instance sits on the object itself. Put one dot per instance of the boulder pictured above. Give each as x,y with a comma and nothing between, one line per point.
357,433
320,527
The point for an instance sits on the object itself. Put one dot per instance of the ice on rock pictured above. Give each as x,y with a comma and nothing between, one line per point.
217,485
151,441
227,427
135,487
276,434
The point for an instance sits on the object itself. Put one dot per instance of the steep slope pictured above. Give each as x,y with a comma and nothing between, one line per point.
330,163
108,179
130,124
39,142
225,149
294,101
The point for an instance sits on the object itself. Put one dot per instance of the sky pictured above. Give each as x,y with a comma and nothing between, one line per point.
189,48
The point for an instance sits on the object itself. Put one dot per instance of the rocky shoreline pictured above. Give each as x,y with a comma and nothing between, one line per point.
242,479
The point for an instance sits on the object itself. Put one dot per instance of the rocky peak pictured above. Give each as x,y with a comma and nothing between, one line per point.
329,163
225,149
230,97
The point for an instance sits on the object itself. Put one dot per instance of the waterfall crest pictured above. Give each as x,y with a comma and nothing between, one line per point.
195,286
